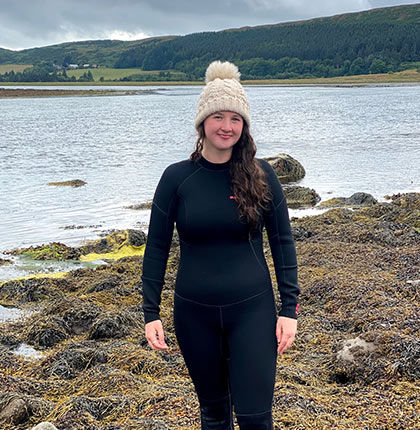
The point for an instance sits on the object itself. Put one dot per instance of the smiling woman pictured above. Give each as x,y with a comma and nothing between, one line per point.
226,322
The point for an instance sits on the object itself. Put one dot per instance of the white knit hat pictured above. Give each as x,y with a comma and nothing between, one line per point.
223,91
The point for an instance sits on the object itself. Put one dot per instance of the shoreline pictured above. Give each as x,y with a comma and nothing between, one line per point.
357,339
12,93
400,79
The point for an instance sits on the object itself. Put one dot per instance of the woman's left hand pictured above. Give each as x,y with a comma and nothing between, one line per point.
285,332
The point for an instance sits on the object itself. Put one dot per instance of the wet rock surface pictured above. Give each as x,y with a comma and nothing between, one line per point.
300,197
355,200
357,347
287,168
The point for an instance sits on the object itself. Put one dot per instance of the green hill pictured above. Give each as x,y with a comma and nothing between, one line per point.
101,52
375,41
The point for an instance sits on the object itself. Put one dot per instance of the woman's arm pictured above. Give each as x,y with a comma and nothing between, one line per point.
158,243
282,245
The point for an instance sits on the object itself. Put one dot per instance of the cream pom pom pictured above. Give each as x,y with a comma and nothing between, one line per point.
220,70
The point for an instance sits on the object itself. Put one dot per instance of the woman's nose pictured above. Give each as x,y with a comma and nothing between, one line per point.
226,125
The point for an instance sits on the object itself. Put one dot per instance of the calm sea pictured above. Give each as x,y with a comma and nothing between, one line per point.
348,140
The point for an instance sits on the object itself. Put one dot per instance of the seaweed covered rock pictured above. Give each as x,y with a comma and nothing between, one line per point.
287,168
70,183
47,331
408,201
300,197
51,251
5,261
80,319
74,359
115,325
105,284
31,290
16,408
355,200
116,240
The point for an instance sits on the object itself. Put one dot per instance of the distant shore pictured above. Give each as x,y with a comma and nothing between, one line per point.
28,92
405,78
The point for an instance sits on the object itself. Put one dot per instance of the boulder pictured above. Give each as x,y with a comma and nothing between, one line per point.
300,197
351,346
355,200
14,412
287,168
44,426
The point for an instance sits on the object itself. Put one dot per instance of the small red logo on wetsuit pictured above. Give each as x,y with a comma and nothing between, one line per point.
232,197
297,308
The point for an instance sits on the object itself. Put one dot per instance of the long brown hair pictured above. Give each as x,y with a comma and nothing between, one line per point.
247,177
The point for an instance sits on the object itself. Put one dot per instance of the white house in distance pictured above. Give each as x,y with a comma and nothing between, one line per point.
73,66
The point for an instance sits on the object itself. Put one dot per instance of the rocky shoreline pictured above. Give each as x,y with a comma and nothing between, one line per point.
355,363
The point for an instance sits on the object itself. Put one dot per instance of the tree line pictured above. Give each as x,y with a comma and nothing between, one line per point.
308,49
44,72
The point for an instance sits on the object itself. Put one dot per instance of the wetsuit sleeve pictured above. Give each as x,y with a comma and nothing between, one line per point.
282,245
158,243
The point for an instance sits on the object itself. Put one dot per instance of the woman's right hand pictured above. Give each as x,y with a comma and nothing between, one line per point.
155,335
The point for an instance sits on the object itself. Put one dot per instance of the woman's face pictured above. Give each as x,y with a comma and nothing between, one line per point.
223,129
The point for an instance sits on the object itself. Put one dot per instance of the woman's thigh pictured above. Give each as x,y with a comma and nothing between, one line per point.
201,340
252,343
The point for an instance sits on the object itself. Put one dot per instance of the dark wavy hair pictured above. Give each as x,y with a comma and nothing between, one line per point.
247,177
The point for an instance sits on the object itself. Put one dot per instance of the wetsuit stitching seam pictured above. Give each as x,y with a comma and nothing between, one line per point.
186,179
278,204
255,255
154,203
222,306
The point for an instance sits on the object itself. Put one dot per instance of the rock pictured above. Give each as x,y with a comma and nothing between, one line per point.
301,233
75,358
136,237
71,183
80,319
113,325
105,284
14,412
3,262
410,201
44,426
141,206
300,197
351,346
287,168
355,200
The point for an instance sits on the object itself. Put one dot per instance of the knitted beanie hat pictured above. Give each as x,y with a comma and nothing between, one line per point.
223,91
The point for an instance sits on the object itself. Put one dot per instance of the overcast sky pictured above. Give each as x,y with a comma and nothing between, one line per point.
32,23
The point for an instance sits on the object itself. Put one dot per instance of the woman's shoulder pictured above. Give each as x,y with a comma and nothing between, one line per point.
265,165
178,171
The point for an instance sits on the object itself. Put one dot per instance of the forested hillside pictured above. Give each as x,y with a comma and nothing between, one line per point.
375,41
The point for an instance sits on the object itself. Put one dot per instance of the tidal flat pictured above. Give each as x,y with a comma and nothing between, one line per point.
355,362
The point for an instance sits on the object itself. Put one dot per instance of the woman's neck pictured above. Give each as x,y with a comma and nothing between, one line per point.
217,156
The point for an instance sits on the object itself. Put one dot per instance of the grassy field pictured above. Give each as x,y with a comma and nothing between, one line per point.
110,74
4,68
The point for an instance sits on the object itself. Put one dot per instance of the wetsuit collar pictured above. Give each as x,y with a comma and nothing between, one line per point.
214,166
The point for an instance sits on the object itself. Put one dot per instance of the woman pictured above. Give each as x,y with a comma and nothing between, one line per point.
225,318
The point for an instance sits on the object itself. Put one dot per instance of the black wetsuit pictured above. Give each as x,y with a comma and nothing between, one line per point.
224,309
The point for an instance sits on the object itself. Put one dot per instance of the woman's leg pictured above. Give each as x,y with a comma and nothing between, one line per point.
250,327
200,337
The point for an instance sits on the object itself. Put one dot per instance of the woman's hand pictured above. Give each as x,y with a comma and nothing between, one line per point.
155,335
285,332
